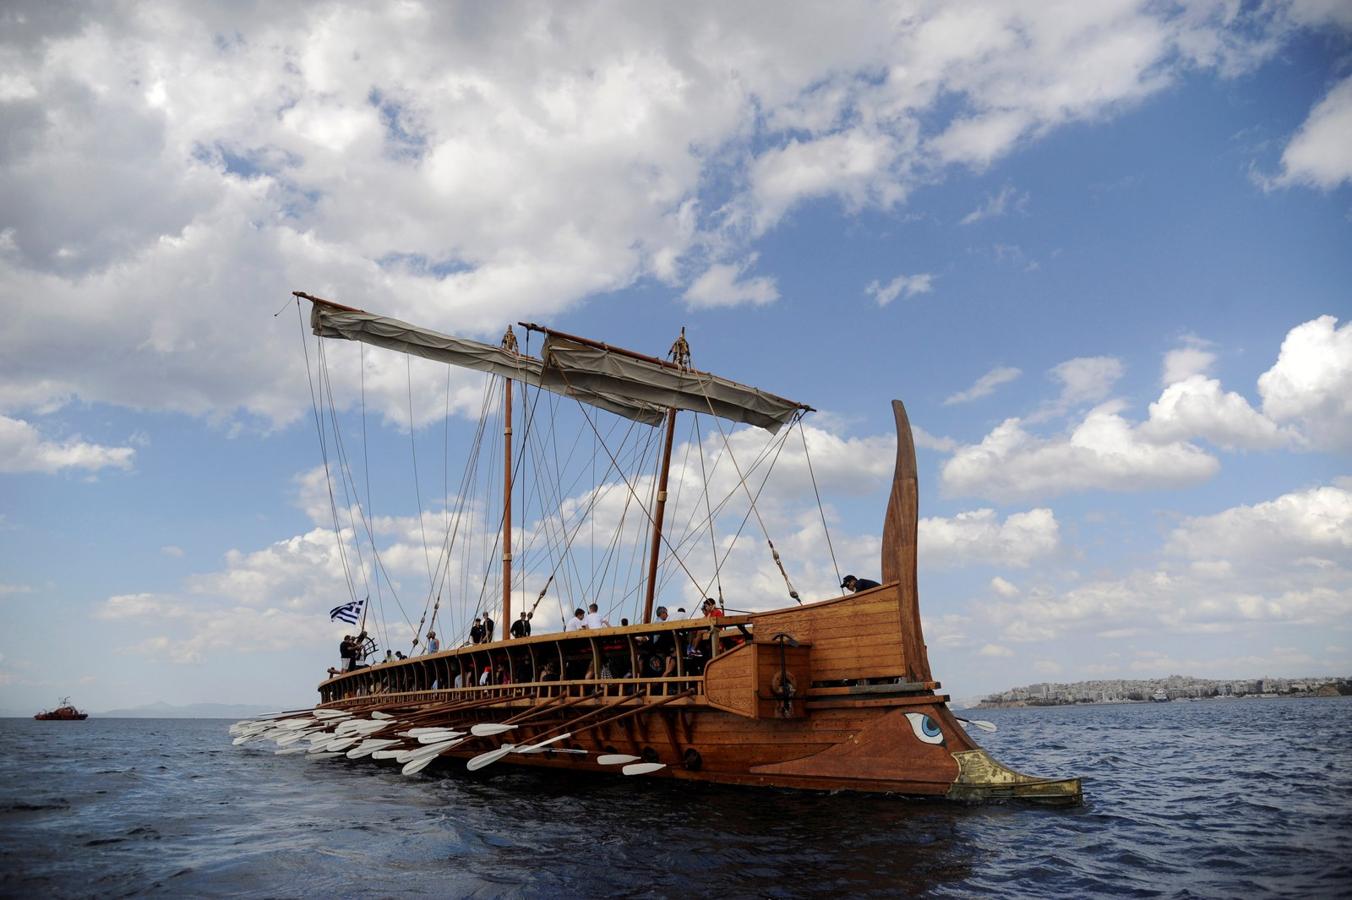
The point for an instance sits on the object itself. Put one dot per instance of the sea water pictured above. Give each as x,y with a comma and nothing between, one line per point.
1213,798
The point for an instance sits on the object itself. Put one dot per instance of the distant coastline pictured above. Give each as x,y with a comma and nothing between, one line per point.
1173,688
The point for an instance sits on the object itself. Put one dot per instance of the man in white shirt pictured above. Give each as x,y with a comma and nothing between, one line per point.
575,623
593,619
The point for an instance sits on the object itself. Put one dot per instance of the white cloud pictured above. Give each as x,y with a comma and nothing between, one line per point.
23,449
995,650
1196,407
1087,379
979,537
984,385
1316,524
997,205
1103,452
853,165
1310,385
1193,358
1287,561
172,550
461,173
1004,588
929,441
8,589
723,285
901,286
135,606
1320,153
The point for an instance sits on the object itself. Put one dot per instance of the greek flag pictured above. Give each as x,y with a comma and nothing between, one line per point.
348,612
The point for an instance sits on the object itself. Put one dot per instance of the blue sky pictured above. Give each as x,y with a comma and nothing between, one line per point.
1101,253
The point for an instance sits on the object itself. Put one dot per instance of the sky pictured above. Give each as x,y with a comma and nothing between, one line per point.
1101,251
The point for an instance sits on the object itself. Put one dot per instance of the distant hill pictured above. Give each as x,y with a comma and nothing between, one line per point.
163,710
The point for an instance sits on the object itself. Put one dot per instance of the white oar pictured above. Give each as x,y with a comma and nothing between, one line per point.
537,748
616,759
488,730
329,713
487,759
418,753
387,754
642,768
979,723
414,732
376,714
287,751
366,748
291,738
436,737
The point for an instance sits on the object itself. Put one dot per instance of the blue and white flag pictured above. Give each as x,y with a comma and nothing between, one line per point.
348,612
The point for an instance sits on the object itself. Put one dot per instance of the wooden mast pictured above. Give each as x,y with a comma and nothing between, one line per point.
655,551
680,357
509,344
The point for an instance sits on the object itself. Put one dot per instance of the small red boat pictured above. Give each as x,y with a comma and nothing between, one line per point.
64,713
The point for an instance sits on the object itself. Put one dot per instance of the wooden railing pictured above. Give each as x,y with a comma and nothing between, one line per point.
600,687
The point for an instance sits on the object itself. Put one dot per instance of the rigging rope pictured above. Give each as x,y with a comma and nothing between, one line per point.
822,511
417,488
760,521
324,454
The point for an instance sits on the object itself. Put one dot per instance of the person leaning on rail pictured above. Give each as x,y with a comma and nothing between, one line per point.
855,585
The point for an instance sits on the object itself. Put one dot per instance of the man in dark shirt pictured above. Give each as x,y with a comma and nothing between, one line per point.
476,631
488,628
855,585
521,627
347,652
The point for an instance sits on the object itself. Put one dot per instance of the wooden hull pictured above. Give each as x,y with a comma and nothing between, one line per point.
849,719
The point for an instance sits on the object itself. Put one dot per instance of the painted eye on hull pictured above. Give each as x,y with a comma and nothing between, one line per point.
925,728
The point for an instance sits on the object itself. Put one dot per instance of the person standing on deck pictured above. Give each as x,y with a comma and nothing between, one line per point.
593,618
489,625
521,627
476,631
576,623
433,645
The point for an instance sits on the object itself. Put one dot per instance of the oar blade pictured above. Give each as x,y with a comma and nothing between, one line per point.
616,759
415,766
643,768
488,730
488,758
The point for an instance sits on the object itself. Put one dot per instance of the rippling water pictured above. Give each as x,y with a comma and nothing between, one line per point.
1237,798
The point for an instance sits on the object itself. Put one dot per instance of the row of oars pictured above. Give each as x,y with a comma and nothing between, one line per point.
412,737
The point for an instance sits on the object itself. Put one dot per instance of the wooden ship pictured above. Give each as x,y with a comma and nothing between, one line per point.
64,712
828,695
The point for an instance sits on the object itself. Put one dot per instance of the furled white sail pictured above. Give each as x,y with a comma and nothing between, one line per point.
574,366
332,321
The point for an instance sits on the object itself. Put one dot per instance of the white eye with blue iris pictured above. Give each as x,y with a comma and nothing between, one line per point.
925,728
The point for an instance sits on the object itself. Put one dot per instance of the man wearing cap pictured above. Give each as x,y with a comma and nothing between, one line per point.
855,585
